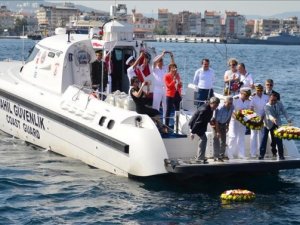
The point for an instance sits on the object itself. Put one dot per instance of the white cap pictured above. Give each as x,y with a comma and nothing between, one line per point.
245,89
129,60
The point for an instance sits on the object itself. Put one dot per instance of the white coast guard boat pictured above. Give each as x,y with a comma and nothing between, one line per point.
47,102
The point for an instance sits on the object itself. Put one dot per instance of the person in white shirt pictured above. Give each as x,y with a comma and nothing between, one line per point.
231,78
158,71
246,78
236,132
258,102
133,64
204,79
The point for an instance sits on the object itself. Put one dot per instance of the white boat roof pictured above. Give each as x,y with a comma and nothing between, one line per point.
60,42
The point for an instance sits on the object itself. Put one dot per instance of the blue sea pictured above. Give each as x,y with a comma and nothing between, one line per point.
40,187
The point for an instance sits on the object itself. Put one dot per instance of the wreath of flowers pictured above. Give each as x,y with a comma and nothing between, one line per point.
287,132
238,195
249,118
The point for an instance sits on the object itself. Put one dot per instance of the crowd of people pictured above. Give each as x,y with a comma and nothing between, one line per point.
240,93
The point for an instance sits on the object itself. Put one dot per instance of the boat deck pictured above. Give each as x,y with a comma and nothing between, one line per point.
193,167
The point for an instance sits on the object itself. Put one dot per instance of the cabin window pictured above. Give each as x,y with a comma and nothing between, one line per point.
118,54
110,124
82,57
32,54
51,54
102,120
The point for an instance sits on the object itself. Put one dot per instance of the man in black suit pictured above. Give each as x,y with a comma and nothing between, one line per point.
198,125
269,88
99,75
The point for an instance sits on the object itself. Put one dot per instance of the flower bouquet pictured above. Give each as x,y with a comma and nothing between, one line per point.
238,195
249,119
287,132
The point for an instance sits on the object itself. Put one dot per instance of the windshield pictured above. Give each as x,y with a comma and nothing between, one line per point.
32,53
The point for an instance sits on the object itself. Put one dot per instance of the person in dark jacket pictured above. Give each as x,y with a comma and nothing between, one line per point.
99,76
198,125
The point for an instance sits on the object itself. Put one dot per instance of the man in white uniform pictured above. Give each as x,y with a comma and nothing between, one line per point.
258,102
204,79
133,64
246,78
158,71
236,133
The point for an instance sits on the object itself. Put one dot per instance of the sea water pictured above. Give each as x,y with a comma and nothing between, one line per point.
40,187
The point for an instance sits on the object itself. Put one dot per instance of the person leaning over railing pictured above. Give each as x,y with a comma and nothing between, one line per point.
220,125
273,110
198,125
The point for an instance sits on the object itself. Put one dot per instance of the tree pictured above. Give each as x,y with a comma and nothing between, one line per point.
160,30
19,25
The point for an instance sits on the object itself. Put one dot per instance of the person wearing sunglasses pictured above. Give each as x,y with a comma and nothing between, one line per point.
232,78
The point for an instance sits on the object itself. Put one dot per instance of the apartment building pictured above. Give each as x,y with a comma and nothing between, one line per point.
56,16
167,21
143,26
212,24
6,18
266,26
235,25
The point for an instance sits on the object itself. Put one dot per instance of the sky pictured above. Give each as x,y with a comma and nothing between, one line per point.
251,7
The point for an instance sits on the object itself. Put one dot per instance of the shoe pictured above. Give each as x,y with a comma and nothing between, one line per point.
281,158
225,158
260,157
218,160
274,155
204,161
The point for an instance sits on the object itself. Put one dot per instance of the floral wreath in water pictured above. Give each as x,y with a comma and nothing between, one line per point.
287,132
237,195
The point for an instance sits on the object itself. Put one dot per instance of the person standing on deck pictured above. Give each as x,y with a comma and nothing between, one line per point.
269,84
99,74
258,102
231,78
198,125
159,93
246,78
133,66
173,86
204,79
273,110
221,124
236,133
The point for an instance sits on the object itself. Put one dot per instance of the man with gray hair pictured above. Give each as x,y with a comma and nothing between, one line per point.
198,125
220,123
